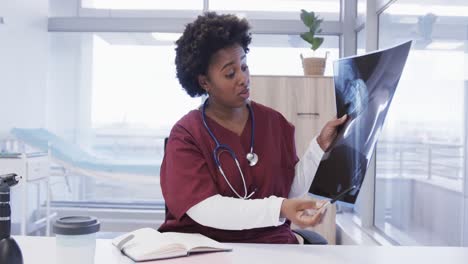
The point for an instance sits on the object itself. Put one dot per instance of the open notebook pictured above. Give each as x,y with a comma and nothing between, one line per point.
148,244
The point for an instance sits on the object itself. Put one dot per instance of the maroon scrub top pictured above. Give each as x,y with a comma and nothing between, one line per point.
189,173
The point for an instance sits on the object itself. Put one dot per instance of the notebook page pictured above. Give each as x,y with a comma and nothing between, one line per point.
197,242
150,244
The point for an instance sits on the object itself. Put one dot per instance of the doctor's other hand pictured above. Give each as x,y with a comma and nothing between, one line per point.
329,132
302,212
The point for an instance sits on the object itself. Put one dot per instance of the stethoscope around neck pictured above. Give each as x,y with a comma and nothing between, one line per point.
220,148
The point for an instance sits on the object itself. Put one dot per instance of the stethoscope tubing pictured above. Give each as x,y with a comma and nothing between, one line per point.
219,148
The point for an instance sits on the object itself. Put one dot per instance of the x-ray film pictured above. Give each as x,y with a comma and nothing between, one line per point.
364,88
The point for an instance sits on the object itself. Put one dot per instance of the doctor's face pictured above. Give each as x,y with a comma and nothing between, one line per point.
227,80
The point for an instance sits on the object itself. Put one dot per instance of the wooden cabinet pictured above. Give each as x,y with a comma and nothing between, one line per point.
308,102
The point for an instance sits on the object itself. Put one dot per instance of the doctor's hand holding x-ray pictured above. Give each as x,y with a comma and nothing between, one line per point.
329,132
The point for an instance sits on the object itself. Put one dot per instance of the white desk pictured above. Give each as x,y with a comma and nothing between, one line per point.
42,250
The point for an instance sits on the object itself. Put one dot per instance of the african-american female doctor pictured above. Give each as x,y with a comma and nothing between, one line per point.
230,169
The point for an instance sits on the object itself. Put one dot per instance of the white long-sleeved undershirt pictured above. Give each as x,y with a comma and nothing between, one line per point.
237,214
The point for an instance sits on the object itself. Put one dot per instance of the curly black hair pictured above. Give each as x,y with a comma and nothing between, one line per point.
202,38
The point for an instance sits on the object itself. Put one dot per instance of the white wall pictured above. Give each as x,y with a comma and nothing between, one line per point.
41,79
23,64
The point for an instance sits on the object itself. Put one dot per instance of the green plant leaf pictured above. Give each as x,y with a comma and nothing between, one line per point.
316,42
309,37
308,18
313,22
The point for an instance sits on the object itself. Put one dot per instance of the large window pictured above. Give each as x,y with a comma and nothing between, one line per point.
128,100
134,82
420,195
116,96
112,90
361,41
361,11
281,54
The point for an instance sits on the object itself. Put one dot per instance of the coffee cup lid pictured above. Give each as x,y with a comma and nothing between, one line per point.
76,225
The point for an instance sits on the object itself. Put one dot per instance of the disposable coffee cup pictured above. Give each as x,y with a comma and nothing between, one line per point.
76,239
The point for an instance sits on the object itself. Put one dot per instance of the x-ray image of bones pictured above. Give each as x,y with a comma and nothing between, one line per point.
364,88
353,98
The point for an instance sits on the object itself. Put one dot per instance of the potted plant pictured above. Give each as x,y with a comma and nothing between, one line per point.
312,65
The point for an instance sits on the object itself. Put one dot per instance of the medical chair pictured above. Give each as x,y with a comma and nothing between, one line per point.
75,159
310,237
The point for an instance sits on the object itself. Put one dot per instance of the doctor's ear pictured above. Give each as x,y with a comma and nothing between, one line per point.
203,82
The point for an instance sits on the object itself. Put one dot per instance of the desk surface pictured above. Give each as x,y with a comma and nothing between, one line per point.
42,250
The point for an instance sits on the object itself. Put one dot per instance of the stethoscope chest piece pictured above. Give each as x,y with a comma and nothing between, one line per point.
252,158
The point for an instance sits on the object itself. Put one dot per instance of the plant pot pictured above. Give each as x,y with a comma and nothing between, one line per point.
313,65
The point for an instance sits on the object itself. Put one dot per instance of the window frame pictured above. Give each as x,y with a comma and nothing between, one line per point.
174,21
